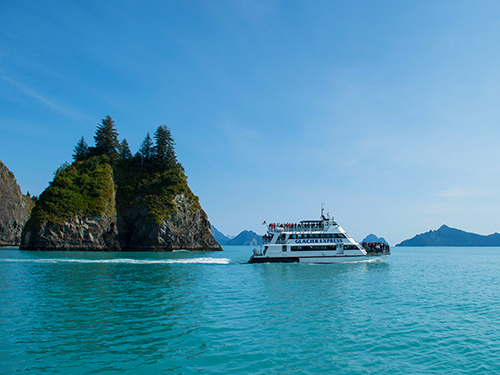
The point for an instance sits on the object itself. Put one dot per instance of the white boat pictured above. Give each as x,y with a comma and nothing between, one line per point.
314,241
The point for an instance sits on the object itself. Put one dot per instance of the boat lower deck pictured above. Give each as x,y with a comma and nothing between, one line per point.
316,259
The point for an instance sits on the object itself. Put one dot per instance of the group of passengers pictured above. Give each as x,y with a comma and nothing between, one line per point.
266,237
295,225
376,247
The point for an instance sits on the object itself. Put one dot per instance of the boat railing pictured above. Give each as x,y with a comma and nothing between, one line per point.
296,228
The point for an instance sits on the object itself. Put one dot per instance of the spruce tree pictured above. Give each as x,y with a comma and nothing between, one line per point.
81,150
146,149
125,153
106,139
164,150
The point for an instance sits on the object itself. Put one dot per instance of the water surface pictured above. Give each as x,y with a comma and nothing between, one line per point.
423,310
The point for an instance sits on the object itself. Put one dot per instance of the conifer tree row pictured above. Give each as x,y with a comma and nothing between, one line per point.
151,178
158,154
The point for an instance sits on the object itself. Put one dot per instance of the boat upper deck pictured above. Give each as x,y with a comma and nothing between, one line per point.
303,226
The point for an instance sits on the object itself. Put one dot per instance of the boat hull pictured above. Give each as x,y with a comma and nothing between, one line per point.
317,259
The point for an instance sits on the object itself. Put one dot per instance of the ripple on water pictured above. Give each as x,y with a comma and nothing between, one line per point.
418,312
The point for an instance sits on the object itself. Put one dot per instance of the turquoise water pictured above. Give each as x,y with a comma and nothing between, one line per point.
421,311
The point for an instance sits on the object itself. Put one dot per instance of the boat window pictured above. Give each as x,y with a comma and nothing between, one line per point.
312,248
350,247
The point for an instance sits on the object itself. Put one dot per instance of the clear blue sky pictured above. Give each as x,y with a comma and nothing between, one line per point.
388,111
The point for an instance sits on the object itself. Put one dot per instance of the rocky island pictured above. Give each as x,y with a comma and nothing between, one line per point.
111,200
446,236
15,208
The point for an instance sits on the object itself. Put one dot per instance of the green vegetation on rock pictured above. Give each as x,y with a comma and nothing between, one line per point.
110,199
83,188
151,179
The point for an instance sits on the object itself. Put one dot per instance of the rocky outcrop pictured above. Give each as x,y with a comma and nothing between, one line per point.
15,208
187,228
97,233
132,229
108,199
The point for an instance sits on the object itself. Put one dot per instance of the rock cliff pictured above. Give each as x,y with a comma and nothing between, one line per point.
108,199
84,209
78,233
186,228
15,208
131,230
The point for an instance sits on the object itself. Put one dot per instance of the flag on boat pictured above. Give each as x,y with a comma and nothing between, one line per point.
264,223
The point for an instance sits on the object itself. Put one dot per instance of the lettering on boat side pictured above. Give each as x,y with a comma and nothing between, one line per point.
321,240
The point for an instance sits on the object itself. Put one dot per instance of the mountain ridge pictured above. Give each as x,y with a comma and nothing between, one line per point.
244,238
447,236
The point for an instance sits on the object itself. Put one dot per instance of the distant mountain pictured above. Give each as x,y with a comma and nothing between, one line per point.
373,238
219,237
446,236
245,238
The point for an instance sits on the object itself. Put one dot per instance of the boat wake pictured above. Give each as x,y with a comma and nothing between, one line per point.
124,261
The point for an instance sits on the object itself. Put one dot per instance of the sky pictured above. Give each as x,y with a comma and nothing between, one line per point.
386,112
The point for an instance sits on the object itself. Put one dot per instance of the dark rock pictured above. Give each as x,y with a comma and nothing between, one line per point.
187,228
92,233
132,229
15,208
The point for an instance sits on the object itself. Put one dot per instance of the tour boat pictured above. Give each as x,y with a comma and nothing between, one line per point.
314,241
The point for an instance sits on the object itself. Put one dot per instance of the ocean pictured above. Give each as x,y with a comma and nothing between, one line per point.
421,311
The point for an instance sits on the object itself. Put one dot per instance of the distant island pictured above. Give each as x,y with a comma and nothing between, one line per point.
250,238
109,199
245,238
446,236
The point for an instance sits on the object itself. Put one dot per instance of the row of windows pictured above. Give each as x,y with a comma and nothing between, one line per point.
305,248
350,247
319,235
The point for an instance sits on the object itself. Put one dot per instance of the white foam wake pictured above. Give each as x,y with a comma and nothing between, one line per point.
125,261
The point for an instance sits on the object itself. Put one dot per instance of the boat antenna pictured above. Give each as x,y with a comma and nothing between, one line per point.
322,209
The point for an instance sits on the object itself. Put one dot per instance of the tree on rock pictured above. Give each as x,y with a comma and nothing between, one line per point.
106,139
163,150
81,150
146,149
125,153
